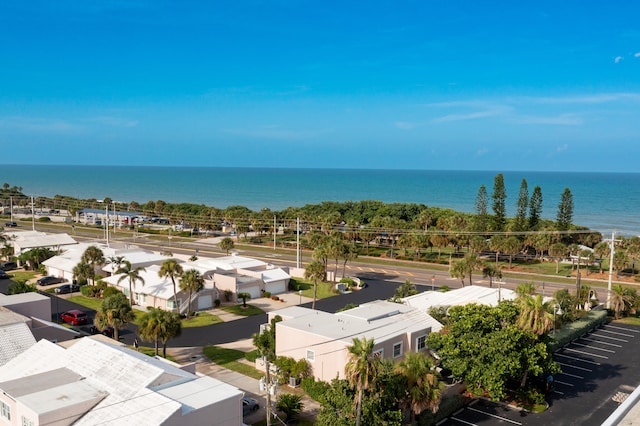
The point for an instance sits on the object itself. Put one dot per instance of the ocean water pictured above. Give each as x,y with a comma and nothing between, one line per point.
602,201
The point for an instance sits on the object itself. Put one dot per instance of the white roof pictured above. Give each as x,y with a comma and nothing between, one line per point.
459,296
277,274
154,285
138,388
379,320
14,339
225,263
26,243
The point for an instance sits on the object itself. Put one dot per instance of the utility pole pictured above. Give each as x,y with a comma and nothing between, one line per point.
33,215
274,232
611,253
298,244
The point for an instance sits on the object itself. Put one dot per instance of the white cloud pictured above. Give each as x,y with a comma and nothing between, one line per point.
482,151
472,115
271,132
31,124
404,125
637,54
618,59
562,119
562,148
587,99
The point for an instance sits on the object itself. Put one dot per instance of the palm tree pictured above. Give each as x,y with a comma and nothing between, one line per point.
93,256
558,251
458,270
244,296
82,272
191,281
160,325
116,262
132,274
361,370
526,289
620,300
171,268
315,271
424,388
226,244
491,272
536,315
115,312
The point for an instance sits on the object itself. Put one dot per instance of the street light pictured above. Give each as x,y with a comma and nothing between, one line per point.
556,310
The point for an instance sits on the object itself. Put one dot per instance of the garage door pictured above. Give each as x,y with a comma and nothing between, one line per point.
205,302
253,291
276,287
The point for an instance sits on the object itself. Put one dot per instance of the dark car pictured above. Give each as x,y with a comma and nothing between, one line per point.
8,266
67,288
3,275
107,331
49,280
249,405
10,224
75,317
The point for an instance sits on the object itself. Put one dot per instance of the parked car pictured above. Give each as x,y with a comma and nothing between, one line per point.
10,224
249,405
67,288
107,331
8,266
75,317
3,275
49,280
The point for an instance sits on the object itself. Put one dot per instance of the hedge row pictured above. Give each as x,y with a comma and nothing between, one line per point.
571,331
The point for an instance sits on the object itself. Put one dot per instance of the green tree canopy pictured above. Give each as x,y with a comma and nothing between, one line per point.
115,311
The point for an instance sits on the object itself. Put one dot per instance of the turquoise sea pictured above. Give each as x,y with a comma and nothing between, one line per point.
602,201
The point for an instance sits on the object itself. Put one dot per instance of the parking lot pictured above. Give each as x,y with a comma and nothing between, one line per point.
598,371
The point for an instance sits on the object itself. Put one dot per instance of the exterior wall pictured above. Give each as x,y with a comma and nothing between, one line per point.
330,356
224,413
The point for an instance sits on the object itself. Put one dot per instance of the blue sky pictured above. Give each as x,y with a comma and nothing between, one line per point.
544,85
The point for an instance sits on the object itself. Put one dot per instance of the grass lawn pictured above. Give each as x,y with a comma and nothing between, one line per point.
250,310
22,275
230,358
324,289
87,302
201,320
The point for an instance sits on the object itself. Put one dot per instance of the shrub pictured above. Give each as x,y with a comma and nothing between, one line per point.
44,219
87,290
315,389
289,405
572,331
109,291
252,355
228,295
267,294
217,303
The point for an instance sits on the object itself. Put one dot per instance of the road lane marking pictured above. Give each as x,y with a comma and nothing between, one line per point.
586,353
594,348
494,416
577,359
610,338
600,343
575,366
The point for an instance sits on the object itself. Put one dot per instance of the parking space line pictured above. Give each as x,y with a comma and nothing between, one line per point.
600,343
571,375
586,353
594,348
493,415
624,328
588,370
610,338
578,359
617,333
564,383
558,392
463,421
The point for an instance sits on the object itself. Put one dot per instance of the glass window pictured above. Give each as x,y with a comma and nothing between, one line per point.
5,411
397,350
311,355
421,343
26,421
378,354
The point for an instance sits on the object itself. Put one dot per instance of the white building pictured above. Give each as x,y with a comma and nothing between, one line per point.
460,296
94,382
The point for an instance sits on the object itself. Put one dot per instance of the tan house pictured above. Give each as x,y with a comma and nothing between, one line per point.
323,338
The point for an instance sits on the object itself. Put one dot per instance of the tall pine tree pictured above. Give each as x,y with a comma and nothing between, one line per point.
535,208
520,223
499,197
565,211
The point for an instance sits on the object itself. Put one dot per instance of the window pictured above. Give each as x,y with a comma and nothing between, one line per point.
142,298
5,411
311,355
421,342
378,354
397,350
26,421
